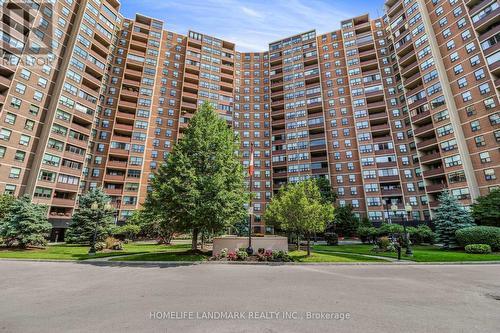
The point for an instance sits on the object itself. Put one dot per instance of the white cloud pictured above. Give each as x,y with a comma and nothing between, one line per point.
250,25
251,12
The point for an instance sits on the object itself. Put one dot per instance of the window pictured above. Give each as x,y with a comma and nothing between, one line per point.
5,134
10,118
479,140
484,88
14,172
475,126
489,174
479,74
485,157
24,140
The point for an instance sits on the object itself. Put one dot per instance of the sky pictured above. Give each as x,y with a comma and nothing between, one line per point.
251,25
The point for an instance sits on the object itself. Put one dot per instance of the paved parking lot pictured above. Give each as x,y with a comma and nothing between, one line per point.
83,297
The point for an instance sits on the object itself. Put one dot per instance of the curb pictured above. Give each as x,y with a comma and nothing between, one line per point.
189,263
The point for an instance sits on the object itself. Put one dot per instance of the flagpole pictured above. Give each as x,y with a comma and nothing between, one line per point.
250,208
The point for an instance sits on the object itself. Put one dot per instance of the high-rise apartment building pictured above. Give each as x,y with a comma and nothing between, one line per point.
392,110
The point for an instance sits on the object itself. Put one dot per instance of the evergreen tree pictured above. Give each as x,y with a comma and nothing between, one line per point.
346,223
300,208
83,224
448,218
486,211
25,223
201,185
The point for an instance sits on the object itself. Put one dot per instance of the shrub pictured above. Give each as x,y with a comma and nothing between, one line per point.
242,255
331,238
388,229
280,255
112,243
479,235
421,234
478,248
223,253
383,243
367,234
261,250
99,246
232,256
127,231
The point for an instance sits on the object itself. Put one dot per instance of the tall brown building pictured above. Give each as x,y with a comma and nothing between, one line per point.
392,110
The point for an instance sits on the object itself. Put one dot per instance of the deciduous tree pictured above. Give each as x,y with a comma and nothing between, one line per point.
299,208
201,185
486,210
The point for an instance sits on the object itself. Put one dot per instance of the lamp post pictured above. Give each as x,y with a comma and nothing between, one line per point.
250,206
408,209
98,215
386,207
394,208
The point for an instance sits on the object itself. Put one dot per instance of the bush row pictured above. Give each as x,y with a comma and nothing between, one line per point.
479,235
418,235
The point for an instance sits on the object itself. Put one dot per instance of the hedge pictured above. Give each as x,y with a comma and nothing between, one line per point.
479,235
478,248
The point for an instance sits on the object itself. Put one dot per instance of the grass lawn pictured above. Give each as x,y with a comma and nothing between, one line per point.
421,253
79,252
176,252
301,256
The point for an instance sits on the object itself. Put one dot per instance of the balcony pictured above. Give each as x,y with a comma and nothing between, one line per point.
119,178
127,105
430,157
67,187
422,115
435,187
376,105
125,115
117,164
391,192
63,202
123,127
188,106
378,115
433,172
114,191
380,128
388,178
424,129
427,143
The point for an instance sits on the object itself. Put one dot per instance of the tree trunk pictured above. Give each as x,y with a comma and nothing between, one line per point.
308,245
298,242
202,240
194,243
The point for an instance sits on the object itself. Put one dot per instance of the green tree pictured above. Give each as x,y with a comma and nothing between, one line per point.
346,223
83,224
155,222
201,187
25,223
299,208
486,210
6,201
448,218
325,188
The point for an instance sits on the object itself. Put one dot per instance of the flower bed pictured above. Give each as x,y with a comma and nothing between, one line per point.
262,255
